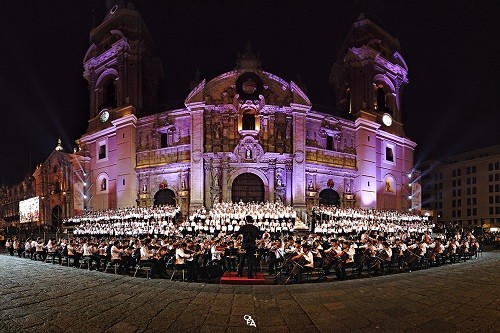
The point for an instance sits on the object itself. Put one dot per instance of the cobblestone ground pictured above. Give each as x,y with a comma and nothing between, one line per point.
42,297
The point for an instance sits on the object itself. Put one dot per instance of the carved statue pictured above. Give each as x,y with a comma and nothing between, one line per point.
215,199
348,186
144,188
216,128
279,180
388,185
310,186
248,153
216,179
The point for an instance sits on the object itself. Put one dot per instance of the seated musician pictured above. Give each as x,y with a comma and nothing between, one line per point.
184,260
103,256
73,254
127,259
331,255
303,262
87,254
385,254
345,257
276,255
401,249
150,258
217,251
116,254
230,256
53,250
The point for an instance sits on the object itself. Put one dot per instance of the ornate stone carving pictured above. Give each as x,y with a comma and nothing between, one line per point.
248,150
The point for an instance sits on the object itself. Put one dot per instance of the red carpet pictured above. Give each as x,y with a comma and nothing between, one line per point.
232,278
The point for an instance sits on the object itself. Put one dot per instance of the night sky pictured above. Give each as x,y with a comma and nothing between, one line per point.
449,105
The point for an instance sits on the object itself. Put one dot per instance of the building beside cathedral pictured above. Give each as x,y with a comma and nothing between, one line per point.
464,189
245,135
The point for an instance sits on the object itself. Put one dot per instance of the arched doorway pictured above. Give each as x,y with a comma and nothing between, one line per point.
56,216
247,187
165,197
329,197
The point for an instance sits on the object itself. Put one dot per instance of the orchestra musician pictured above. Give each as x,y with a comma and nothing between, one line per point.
73,254
127,256
276,255
217,251
53,250
230,255
103,253
345,257
116,253
184,259
250,234
303,262
331,256
148,258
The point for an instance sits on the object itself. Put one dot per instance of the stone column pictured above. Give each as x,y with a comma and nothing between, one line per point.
288,195
225,185
206,186
196,131
271,175
299,150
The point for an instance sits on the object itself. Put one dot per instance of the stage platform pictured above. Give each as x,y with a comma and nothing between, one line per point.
233,278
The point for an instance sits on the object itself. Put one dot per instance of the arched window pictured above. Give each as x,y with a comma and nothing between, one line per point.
329,197
109,95
381,98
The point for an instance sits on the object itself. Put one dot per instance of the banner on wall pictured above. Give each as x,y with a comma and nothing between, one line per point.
416,197
29,210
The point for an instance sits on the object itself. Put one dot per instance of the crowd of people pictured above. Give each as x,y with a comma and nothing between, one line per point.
225,218
229,235
330,220
133,221
228,217
290,256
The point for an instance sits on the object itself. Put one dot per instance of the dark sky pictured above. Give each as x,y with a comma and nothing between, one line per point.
449,105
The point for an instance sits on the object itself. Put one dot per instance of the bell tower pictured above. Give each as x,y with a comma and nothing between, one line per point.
369,75
123,73
121,66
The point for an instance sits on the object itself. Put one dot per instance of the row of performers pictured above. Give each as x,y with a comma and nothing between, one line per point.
373,253
292,255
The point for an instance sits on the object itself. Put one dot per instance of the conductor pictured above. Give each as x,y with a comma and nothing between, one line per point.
250,234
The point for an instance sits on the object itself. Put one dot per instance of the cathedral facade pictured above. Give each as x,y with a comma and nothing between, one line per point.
245,135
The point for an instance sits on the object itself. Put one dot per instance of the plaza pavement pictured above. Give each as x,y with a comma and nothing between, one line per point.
40,297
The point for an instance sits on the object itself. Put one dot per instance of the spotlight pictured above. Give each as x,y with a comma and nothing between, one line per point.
409,197
84,183
85,196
